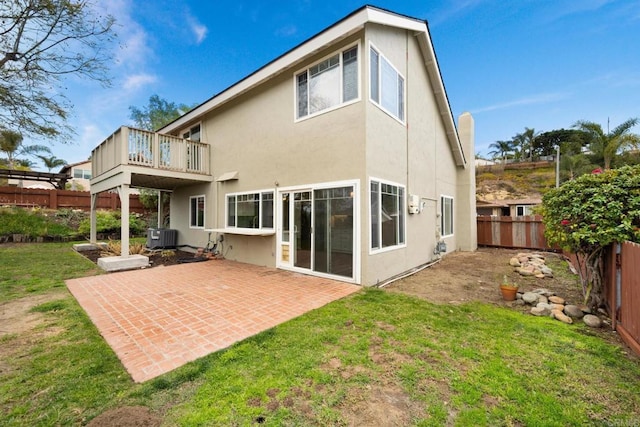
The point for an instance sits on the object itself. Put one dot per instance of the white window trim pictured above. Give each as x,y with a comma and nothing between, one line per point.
524,209
357,227
188,129
403,121
235,227
404,237
204,211
342,104
453,216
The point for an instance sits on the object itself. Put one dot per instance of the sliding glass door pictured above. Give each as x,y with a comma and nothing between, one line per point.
317,230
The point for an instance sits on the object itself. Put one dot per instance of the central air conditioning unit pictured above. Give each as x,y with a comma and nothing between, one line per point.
161,238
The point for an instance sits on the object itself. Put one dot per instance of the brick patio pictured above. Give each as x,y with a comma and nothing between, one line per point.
158,319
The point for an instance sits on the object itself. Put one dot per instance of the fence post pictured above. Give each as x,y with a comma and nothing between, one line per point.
53,199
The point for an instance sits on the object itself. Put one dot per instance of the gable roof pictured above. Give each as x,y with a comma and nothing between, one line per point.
340,30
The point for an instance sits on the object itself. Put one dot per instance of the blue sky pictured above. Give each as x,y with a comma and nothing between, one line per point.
523,63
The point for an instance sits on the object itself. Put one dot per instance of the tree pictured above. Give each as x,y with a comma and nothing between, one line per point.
157,113
41,42
11,144
569,140
501,149
608,145
525,141
588,214
51,162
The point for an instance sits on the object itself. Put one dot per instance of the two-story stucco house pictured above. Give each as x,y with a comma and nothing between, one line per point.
339,158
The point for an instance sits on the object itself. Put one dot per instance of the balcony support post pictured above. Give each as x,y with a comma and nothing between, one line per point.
123,192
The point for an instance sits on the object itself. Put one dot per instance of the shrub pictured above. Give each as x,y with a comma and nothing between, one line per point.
31,222
108,222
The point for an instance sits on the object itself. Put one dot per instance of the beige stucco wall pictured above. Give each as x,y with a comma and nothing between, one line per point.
257,136
417,155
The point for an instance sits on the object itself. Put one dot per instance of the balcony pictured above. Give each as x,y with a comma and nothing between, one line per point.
147,159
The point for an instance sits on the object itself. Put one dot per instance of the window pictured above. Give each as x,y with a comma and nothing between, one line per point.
196,211
82,173
327,84
446,215
250,210
193,133
387,215
524,210
387,85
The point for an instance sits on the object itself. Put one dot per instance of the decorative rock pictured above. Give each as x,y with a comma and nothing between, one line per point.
518,302
556,300
559,315
543,299
524,272
540,275
585,309
592,321
540,311
543,291
514,262
519,295
573,311
557,306
545,305
530,297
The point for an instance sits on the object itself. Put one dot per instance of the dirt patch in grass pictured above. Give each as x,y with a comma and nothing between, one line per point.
463,277
16,317
126,416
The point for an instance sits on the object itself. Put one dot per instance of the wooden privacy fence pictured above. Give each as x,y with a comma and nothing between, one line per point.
63,199
622,291
525,232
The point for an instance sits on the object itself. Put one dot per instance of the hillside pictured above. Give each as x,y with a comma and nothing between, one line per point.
514,181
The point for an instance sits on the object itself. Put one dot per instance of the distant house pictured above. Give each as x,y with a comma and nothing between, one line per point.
340,158
513,207
79,173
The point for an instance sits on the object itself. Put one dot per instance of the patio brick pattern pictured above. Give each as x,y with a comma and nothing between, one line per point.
158,319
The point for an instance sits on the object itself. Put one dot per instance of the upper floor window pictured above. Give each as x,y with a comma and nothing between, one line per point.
196,211
446,215
250,210
387,85
327,84
82,173
192,134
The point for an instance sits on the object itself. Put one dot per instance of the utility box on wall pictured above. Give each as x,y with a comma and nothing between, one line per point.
161,238
414,204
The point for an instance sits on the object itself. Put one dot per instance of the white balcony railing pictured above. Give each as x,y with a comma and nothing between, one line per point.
130,146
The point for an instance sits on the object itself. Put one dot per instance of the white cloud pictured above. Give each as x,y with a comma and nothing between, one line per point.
136,81
543,98
198,29
287,31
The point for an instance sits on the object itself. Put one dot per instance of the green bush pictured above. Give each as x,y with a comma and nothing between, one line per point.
108,222
30,222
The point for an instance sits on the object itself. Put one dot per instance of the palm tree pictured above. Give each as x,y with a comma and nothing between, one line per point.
503,148
607,145
11,144
52,162
526,142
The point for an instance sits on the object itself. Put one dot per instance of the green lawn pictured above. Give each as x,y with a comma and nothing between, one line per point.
369,358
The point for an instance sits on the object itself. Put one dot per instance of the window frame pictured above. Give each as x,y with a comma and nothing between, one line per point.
204,211
443,212
186,133
260,215
402,100
524,208
342,103
401,227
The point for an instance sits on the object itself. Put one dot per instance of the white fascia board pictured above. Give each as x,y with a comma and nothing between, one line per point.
424,41
337,32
